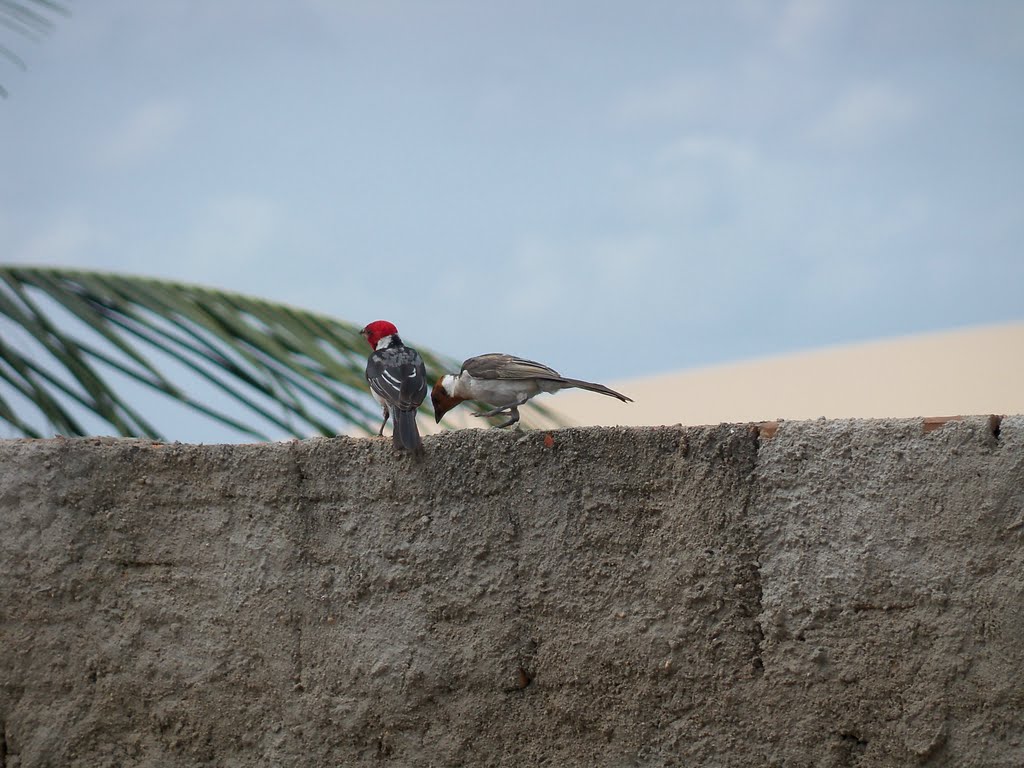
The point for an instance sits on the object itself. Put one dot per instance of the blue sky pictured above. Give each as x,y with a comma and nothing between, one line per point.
616,189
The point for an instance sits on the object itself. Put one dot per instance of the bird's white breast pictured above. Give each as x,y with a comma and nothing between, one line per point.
496,391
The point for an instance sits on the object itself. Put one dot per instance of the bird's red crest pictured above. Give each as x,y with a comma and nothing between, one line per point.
377,330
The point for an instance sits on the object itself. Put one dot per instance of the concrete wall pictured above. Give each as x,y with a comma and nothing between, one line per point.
833,593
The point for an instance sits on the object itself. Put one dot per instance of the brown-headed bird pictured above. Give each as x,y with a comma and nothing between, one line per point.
506,382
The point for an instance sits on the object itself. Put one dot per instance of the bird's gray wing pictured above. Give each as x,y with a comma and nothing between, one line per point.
414,383
501,366
384,380
398,376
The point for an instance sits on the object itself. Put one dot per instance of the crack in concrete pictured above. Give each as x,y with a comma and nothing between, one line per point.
298,613
767,430
522,675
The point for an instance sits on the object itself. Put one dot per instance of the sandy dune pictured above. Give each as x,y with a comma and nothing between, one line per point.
972,371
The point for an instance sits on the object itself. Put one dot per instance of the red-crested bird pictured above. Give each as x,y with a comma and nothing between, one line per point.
504,381
398,381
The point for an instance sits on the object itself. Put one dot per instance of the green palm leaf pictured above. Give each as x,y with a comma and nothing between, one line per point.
262,369
29,19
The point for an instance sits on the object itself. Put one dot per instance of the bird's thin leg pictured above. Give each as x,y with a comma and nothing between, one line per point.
514,412
387,415
510,408
496,411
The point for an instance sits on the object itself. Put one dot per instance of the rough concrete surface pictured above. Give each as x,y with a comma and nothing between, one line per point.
838,593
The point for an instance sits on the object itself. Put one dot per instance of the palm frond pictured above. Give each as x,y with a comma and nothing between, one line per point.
29,19
259,368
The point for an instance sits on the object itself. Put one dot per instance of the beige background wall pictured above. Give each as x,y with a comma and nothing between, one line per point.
977,370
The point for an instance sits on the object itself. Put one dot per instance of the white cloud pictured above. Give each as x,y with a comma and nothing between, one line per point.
718,150
700,180
681,98
585,267
864,115
624,263
803,21
68,240
233,232
542,265
145,132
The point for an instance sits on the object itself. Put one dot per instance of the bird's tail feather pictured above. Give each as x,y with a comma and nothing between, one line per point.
406,434
599,388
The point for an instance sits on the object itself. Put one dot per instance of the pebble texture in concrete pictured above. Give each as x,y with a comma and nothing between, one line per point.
830,593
